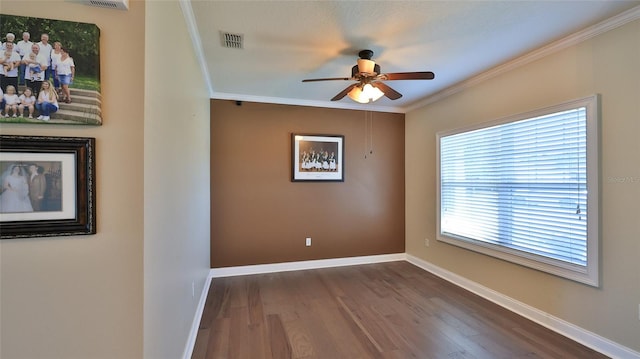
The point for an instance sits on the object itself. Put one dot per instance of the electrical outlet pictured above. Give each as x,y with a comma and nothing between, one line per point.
308,242
426,242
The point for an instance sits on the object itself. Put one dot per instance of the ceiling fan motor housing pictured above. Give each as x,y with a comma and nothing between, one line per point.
365,54
365,64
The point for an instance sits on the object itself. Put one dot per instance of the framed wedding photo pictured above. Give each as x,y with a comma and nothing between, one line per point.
317,157
48,186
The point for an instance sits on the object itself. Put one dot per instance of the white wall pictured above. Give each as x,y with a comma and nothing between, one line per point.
608,65
82,296
176,182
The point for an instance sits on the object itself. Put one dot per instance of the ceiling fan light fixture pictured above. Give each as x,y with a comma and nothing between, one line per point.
366,66
365,94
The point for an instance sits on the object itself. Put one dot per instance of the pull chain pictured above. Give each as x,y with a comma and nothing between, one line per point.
368,133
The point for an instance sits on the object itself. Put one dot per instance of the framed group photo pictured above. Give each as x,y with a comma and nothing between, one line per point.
48,186
317,157
50,71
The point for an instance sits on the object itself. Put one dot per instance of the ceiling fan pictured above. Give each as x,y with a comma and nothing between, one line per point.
369,86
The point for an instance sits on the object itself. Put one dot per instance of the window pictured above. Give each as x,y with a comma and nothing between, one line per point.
525,189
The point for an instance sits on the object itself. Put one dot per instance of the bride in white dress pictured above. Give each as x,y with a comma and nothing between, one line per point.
15,191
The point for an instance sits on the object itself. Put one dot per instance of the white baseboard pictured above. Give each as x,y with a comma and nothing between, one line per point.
302,265
580,335
193,334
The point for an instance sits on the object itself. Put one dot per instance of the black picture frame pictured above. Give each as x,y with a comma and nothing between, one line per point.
70,180
317,158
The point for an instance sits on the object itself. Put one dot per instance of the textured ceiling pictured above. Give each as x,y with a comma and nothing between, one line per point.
288,41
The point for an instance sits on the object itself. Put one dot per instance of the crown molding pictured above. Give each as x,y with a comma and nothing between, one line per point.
568,41
301,102
189,18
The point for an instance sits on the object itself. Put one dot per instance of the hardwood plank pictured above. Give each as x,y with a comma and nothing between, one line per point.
280,346
258,341
216,302
363,336
320,335
350,342
370,324
423,339
200,346
218,344
238,296
238,333
254,301
300,339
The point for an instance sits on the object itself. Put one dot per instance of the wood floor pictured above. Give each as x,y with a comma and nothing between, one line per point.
386,310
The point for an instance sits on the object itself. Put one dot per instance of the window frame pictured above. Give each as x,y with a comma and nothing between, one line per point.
589,274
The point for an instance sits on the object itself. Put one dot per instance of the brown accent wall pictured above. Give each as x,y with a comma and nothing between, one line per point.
259,216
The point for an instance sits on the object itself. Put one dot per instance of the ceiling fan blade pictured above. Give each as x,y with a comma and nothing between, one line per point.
344,92
328,79
388,91
424,75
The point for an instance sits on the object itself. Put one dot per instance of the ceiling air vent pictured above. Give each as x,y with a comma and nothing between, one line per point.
109,4
233,41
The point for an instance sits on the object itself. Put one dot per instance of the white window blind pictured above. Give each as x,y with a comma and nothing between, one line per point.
521,186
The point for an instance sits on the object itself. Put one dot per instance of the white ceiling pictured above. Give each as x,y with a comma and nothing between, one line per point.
288,41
